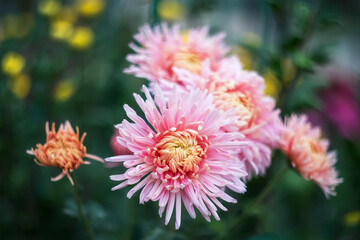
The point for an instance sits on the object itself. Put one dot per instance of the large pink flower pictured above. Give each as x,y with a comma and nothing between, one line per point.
165,48
308,153
180,155
242,92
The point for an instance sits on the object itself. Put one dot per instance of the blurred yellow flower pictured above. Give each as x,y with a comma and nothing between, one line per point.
352,218
82,38
63,90
13,63
288,69
171,10
61,30
273,86
246,58
66,14
17,26
49,7
90,8
20,85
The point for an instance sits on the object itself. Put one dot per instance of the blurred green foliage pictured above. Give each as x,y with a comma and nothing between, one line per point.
81,79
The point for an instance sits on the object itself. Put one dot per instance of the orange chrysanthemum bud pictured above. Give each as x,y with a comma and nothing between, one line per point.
63,149
308,153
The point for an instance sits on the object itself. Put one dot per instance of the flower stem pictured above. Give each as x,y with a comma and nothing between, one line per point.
254,204
155,13
80,209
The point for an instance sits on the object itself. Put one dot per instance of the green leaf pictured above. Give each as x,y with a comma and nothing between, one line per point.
276,7
321,55
304,95
303,61
326,23
70,208
292,42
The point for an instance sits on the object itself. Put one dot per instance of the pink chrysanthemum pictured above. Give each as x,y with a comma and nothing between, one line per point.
308,153
116,147
182,156
243,92
165,48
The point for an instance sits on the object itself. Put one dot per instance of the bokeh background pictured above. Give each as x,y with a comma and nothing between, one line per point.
64,60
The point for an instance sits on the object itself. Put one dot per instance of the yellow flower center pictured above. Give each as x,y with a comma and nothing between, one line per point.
188,60
181,151
315,147
240,102
318,155
63,153
185,36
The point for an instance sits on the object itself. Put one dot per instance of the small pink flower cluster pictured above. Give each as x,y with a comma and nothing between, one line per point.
208,125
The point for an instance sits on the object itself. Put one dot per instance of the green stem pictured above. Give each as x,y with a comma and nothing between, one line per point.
248,211
155,14
286,93
80,209
132,220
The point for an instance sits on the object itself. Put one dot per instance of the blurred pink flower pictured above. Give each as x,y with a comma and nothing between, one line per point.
116,147
241,92
164,48
342,108
182,157
308,153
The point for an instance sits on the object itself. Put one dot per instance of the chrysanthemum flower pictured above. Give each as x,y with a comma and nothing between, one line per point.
254,113
165,48
62,149
308,153
180,155
116,147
